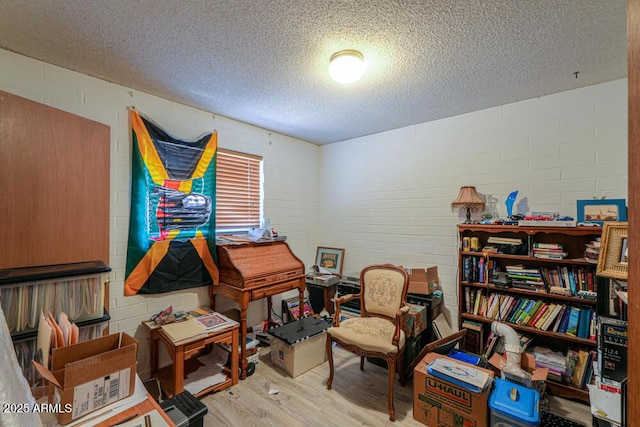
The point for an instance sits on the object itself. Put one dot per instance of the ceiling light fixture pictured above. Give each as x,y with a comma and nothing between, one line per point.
347,66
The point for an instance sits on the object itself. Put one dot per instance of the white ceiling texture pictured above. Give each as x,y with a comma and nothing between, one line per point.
264,62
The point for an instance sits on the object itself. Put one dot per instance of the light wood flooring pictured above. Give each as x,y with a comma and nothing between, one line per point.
357,398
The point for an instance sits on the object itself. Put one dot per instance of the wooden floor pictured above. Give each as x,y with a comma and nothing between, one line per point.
357,398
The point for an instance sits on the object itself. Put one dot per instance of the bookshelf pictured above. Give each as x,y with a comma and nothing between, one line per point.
535,279
78,289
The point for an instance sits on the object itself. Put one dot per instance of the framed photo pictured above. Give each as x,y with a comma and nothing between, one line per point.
601,211
613,260
331,259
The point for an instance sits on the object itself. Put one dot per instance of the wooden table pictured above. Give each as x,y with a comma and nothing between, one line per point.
172,377
138,410
243,296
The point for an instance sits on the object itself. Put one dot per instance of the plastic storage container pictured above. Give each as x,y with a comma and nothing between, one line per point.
514,405
185,410
299,346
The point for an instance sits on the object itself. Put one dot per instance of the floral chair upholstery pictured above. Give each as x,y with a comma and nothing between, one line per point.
378,331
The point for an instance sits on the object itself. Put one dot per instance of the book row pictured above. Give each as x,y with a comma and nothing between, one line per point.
561,279
547,316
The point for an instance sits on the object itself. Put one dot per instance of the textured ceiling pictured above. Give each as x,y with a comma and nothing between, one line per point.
264,62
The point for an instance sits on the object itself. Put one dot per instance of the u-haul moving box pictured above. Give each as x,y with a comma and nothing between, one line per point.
439,403
91,374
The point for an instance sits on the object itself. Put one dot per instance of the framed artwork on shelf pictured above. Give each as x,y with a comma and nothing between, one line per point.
331,259
600,211
613,257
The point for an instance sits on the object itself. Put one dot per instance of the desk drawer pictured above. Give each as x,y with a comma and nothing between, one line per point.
192,348
276,288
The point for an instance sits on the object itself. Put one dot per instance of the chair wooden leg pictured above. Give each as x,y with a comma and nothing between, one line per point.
362,363
329,350
400,359
391,367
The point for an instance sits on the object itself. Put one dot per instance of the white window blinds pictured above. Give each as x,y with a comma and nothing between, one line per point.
238,197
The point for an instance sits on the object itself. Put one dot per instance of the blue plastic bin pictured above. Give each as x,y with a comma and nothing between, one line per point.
519,408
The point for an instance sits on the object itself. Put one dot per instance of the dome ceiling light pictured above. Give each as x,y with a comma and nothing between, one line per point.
347,66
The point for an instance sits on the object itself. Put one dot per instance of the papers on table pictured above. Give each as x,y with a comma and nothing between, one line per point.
210,374
192,328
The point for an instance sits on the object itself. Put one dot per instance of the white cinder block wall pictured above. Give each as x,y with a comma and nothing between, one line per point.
387,197
384,197
291,170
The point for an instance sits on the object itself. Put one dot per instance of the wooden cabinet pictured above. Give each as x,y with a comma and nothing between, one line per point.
531,283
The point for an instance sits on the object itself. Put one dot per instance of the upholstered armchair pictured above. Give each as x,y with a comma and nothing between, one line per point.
378,331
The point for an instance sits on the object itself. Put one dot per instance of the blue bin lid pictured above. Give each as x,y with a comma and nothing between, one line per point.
525,406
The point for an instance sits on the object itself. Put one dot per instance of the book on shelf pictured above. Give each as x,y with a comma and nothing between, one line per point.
584,323
540,313
553,246
503,241
579,372
552,317
574,319
560,316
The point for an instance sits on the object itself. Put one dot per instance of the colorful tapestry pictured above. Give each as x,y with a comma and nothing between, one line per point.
172,224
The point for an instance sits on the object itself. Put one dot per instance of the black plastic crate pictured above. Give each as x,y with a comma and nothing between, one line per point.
185,410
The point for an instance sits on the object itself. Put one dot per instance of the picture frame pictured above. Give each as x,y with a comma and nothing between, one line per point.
330,259
599,211
613,260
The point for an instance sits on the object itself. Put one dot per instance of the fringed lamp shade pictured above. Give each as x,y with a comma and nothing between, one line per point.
469,199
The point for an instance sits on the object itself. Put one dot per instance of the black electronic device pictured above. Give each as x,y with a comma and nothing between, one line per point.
501,279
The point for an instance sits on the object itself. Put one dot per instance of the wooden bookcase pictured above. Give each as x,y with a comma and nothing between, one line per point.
573,241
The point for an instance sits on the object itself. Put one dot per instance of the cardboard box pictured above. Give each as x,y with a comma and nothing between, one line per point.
298,358
438,403
612,348
538,380
91,374
423,281
415,320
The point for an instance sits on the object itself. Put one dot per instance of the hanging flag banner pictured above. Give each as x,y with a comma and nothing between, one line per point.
172,223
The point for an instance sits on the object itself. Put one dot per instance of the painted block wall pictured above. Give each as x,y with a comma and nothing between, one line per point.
291,177
387,197
384,197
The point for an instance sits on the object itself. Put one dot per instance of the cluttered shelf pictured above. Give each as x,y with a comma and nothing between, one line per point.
540,281
529,329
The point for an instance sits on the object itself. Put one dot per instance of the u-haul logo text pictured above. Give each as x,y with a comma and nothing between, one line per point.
453,393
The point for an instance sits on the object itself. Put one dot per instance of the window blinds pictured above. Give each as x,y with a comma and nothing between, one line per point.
238,198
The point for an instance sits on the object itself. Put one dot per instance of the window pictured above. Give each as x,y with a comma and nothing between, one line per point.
238,191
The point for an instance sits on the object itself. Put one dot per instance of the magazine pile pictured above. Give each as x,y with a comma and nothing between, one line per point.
192,328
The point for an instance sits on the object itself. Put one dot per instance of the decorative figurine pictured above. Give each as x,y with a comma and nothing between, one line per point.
510,201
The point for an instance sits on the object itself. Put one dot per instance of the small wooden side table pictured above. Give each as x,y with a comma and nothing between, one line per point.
172,377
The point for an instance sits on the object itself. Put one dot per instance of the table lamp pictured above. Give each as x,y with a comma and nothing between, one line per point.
469,199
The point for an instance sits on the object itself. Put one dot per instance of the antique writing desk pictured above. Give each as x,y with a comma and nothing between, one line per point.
172,377
252,271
